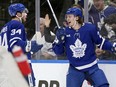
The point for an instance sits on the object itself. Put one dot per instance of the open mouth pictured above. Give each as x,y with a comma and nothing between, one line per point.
69,23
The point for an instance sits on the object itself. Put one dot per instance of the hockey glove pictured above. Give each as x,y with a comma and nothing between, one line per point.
60,35
114,48
33,47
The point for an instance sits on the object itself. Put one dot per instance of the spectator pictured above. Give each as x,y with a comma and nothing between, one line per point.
47,32
46,52
109,31
99,11
49,37
112,3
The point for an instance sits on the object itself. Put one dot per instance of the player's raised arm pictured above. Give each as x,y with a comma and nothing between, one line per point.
101,42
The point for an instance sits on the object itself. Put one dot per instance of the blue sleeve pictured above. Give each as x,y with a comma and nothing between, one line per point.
101,42
58,48
17,36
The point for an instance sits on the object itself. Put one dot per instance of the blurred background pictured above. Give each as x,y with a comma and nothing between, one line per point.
30,4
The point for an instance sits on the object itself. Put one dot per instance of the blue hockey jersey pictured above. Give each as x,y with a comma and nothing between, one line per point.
95,16
13,33
80,44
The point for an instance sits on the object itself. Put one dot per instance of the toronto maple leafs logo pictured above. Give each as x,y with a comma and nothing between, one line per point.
78,49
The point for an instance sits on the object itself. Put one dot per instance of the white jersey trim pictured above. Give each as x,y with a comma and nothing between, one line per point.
21,58
102,43
12,43
87,66
15,38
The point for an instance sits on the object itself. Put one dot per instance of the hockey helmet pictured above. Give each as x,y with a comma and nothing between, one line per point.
75,11
17,7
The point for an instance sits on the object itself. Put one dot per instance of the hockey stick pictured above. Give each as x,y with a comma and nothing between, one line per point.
76,1
62,37
53,14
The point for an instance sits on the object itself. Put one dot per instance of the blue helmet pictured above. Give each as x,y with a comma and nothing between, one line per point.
14,8
75,11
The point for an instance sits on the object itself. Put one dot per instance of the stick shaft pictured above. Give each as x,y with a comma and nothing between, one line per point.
53,14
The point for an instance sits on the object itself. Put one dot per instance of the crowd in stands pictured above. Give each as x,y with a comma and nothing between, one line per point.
101,14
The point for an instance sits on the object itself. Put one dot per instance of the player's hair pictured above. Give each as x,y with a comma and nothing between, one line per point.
80,20
110,19
77,6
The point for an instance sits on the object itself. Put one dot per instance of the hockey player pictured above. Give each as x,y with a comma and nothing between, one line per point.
79,41
13,33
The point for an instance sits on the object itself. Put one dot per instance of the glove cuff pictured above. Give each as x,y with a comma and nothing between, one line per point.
56,41
114,45
28,46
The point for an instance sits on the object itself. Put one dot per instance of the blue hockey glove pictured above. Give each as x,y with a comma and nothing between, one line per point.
114,48
35,47
60,34
32,46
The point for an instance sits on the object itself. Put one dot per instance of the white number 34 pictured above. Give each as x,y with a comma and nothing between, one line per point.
14,31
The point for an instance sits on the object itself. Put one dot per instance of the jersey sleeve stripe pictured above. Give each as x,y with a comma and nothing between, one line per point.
15,38
103,40
12,43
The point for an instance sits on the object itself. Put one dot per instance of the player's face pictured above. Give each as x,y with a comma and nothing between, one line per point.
24,16
42,25
71,20
98,52
99,4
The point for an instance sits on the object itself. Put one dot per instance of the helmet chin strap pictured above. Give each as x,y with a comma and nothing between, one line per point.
20,18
